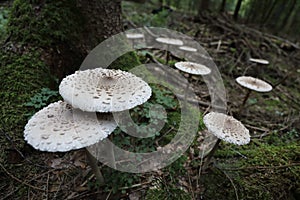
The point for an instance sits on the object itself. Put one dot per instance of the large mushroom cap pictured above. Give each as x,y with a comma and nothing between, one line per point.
226,128
192,68
134,35
170,41
259,61
58,127
187,48
104,90
254,84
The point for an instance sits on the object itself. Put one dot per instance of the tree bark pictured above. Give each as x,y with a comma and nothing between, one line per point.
223,5
288,14
237,9
102,19
65,31
203,6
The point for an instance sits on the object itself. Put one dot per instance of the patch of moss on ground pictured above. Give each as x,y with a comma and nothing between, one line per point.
170,194
255,171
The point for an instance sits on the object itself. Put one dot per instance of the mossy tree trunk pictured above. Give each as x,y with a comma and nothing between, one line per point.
47,40
64,30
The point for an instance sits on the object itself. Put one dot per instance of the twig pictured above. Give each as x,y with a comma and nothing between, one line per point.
108,195
47,186
191,187
135,185
18,180
257,128
231,181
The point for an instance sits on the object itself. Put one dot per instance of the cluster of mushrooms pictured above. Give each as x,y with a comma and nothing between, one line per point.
85,116
90,96
224,127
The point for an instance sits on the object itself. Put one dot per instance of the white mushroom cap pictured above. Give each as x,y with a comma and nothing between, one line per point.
259,61
192,68
58,127
186,48
104,90
226,128
254,84
170,41
134,35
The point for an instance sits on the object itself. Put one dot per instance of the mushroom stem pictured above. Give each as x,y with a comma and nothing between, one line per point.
93,163
186,91
184,54
168,55
112,153
133,43
245,99
211,153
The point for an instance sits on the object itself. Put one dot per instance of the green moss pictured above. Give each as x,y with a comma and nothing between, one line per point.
21,77
44,24
126,62
170,194
265,171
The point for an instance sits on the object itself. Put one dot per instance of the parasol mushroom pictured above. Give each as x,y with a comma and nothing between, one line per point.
257,61
59,128
192,68
186,49
252,84
225,128
104,90
168,42
134,37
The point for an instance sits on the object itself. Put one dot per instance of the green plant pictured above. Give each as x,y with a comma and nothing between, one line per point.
41,99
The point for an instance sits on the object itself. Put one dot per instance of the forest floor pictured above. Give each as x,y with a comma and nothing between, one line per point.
267,168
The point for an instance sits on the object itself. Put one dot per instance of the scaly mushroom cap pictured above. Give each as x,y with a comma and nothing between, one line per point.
254,84
189,49
170,41
58,127
134,35
192,68
226,128
259,61
104,90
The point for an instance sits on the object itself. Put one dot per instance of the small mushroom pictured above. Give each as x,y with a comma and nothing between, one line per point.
252,84
59,128
168,42
187,49
104,90
259,61
134,37
225,128
192,68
